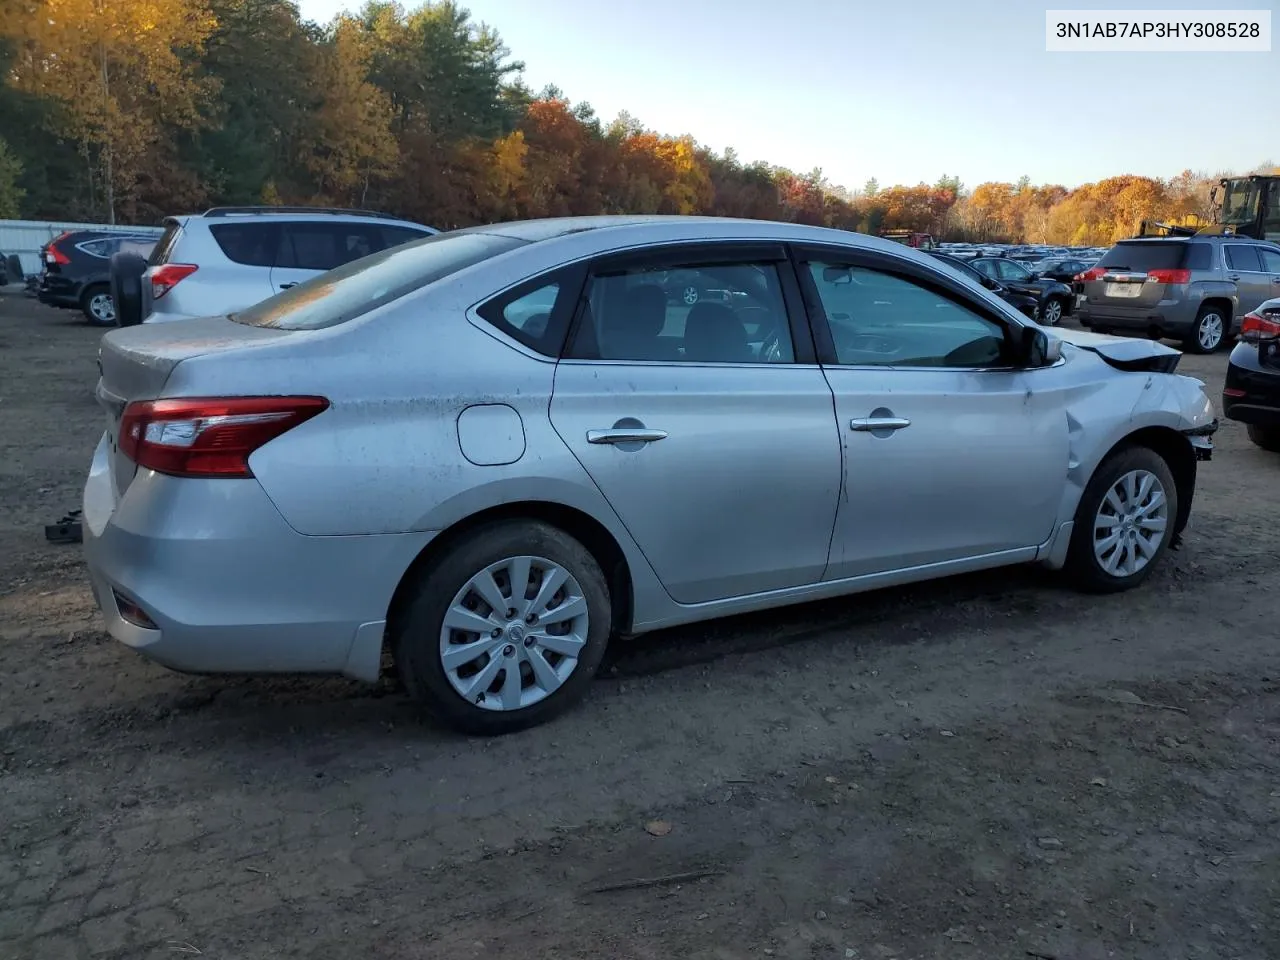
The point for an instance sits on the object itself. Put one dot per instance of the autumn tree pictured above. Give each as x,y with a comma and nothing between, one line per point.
348,141
119,74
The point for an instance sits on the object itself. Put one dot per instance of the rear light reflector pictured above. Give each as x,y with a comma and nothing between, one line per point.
164,278
1233,392
1168,276
1093,273
131,612
1257,328
209,436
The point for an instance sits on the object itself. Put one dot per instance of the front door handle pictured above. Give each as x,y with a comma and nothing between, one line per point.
867,424
286,286
625,435
1233,276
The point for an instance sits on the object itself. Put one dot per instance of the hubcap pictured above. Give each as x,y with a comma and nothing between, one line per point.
101,307
690,295
1052,312
1130,524
513,633
1210,333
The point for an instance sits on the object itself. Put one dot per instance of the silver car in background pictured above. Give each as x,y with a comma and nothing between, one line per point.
229,258
494,449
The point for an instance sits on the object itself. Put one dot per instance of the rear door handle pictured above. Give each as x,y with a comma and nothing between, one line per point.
286,286
867,424
625,435
1233,276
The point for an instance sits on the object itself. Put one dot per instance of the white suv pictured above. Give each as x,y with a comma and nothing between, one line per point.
229,258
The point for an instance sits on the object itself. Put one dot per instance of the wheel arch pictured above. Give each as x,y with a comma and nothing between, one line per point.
591,533
1176,451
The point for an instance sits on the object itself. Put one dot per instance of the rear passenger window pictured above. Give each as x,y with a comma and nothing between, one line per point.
308,246
1270,260
249,244
1241,256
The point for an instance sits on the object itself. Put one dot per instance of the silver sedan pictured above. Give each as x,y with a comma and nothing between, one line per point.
492,450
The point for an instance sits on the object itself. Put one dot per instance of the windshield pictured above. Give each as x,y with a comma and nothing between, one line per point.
356,288
1240,201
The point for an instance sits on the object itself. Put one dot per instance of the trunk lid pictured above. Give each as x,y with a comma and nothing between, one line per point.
136,362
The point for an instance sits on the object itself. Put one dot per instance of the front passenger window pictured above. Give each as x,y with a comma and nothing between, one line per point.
881,319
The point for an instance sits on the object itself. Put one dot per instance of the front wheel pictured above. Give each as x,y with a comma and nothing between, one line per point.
97,306
1268,438
1124,522
505,630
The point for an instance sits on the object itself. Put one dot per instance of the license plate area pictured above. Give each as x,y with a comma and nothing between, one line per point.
1123,291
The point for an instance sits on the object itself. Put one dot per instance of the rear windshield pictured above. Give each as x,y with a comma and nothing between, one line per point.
356,288
1157,255
164,246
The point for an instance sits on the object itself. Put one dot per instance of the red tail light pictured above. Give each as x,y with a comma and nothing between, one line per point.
1255,328
208,436
1168,276
53,255
165,278
1093,273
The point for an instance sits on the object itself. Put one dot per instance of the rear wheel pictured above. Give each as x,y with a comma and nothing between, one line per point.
1209,332
1268,438
1124,522
1051,312
96,304
505,630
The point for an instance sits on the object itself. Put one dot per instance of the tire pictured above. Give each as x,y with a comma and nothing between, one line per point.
1268,438
96,305
1052,312
1200,338
419,636
126,287
13,268
1084,566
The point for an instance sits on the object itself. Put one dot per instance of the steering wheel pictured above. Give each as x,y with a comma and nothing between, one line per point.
771,345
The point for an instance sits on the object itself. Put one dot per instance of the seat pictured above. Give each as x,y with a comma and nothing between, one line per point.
714,334
633,332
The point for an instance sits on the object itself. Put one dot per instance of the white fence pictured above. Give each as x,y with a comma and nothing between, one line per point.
26,237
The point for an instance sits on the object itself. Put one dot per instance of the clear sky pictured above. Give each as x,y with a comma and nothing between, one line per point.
900,90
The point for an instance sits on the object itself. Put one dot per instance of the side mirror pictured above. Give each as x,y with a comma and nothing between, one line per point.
1037,349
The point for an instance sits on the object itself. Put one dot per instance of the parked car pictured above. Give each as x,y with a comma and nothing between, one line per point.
1054,299
1060,269
77,271
230,258
1193,289
493,449
1022,302
1252,391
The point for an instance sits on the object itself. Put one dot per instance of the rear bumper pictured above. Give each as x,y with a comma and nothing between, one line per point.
1251,393
224,585
58,292
1168,318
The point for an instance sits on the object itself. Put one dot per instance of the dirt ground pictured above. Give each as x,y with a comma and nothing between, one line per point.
985,767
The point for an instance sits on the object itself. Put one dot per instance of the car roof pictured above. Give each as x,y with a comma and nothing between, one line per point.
665,228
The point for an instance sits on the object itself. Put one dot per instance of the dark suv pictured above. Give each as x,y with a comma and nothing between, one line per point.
1193,289
77,270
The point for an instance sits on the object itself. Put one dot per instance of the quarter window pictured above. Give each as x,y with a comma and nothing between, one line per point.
687,313
1270,260
881,319
525,317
